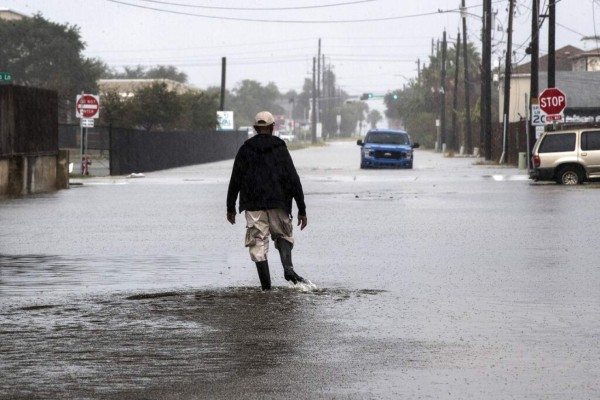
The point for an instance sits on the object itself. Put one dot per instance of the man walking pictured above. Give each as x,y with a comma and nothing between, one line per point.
266,180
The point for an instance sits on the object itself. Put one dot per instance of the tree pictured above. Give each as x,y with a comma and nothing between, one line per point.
141,72
250,97
116,110
155,107
138,72
198,111
48,55
353,114
302,105
417,105
373,118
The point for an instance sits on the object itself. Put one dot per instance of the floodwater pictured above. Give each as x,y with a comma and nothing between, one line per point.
449,281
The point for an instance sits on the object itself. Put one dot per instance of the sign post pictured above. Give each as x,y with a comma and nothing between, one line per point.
553,103
87,107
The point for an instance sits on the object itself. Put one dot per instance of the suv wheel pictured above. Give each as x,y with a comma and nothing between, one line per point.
569,176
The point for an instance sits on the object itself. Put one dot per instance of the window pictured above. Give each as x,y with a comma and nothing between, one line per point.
558,143
387,138
590,140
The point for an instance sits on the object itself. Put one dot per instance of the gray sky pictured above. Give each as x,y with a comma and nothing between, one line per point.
275,40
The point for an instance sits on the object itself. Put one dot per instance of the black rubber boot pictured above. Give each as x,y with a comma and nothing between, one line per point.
285,252
263,274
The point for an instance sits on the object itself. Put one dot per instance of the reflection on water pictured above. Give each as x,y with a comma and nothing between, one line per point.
33,274
123,344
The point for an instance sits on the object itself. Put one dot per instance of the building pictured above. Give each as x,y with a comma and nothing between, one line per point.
127,87
587,61
577,74
10,15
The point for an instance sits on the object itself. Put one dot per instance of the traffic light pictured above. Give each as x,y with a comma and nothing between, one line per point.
395,96
366,96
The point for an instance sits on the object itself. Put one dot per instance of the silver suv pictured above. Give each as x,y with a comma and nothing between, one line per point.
568,156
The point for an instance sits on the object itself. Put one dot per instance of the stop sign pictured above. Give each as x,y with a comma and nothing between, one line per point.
87,106
552,101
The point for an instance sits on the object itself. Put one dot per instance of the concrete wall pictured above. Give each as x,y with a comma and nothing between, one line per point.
3,176
30,161
20,175
42,177
62,169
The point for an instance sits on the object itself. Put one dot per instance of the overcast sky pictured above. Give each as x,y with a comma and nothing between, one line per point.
372,45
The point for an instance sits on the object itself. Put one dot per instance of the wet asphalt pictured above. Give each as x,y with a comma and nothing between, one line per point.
453,280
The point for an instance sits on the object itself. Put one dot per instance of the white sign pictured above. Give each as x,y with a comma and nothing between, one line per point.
225,119
538,118
87,122
538,131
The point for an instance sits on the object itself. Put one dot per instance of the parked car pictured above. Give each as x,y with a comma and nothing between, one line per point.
569,156
386,149
287,136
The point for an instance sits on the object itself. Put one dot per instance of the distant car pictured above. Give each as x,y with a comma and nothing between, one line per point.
568,156
287,136
386,149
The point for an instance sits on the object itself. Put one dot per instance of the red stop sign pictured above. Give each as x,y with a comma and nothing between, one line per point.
87,106
552,101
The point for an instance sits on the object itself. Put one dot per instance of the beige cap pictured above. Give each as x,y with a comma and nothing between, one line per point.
264,118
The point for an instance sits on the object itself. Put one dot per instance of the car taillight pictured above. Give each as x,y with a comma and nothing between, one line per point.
536,161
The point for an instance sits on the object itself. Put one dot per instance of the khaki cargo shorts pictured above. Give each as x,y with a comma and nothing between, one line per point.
264,223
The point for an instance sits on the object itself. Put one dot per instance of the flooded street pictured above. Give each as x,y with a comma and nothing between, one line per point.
448,281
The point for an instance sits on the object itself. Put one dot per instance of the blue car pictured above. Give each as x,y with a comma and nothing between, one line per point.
386,149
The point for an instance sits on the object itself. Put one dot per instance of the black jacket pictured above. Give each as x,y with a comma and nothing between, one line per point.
265,177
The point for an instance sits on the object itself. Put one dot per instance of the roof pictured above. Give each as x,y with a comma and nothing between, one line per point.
10,15
126,87
589,53
564,61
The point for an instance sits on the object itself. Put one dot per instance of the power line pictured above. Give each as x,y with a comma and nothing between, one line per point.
273,20
220,47
257,8
260,61
370,59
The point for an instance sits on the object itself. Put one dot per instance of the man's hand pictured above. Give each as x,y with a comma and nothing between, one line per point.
302,221
231,217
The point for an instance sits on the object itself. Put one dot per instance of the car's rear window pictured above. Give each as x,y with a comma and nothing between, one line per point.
590,140
387,138
557,143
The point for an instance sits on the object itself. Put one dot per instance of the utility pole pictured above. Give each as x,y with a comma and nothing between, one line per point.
418,70
442,136
325,103
486,76
507,76
534,50
551,44
469,134
313,115
318,106
223,75
453,139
